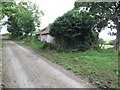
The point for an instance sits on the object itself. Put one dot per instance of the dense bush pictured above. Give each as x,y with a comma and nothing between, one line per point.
74,30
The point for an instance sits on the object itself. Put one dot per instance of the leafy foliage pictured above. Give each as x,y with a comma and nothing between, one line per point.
0,16
104,13
74,30
23,18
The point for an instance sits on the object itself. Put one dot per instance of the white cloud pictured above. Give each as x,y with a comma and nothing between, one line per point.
52,9
104,34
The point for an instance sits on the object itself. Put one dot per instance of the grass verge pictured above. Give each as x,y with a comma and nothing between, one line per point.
100,67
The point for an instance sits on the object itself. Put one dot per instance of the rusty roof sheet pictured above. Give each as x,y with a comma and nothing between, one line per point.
46,31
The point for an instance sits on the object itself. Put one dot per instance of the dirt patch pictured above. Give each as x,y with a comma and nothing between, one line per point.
74,63
75,58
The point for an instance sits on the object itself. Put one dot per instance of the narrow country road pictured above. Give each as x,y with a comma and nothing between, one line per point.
22,68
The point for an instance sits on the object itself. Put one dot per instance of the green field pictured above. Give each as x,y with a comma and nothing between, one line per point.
107,46
100,67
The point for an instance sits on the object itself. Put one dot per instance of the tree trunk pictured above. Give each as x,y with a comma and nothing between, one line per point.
117,47
117,44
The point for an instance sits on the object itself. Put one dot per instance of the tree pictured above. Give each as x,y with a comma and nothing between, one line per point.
74,30
23,18
0,16
104,12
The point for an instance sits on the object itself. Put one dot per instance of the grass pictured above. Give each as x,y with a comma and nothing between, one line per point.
99,67
107,46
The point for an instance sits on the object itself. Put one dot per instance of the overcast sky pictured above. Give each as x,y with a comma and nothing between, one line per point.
54,8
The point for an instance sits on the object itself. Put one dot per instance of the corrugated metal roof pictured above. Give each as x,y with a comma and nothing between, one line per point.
46,31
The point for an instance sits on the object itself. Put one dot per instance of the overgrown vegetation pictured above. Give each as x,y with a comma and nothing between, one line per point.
104,13
33,42
74,33
74,30
100,67
23,18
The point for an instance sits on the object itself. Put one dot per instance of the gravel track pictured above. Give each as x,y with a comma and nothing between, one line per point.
22,68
